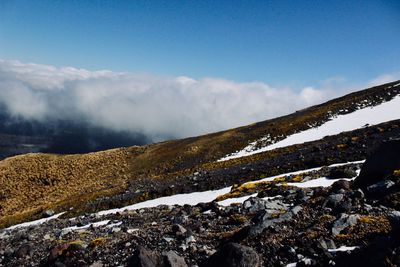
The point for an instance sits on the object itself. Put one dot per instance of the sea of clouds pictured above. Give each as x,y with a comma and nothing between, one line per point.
159,107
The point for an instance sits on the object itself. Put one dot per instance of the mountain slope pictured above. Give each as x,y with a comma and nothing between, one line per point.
35,182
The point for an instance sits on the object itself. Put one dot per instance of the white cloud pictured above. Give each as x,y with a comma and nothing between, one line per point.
384,78
157,106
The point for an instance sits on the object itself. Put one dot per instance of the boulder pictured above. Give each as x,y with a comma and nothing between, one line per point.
380,189
171,259
344,222
233,255
71,254
272,206
380,164
143,257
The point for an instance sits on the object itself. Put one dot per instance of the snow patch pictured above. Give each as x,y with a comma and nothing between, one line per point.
240,200
34,223
322,181
342,249
179,199
95,224
384,112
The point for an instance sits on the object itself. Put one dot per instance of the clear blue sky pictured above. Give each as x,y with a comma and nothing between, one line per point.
277,42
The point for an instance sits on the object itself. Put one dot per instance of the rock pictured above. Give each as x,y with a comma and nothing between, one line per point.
394,217
295,210
233,255
97,264
343,207
255,204
379,164
339,185
337,173
335,199
344,222
380,189
65,231
190,239
262,221
48,213
178,229
66,255
24,250
359,194
326,244
171,259
143,257
115,230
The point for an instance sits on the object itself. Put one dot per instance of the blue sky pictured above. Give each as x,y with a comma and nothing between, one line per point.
292,43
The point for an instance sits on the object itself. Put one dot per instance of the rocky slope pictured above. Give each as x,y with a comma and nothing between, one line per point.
31,184
278,224
305,217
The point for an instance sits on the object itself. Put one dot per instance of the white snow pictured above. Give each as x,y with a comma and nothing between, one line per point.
36,222
95,224
230,201
384,112
180,199
272,178
343,248
324,182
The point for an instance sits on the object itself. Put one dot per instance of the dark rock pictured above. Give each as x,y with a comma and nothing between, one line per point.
379,165
66,255
344,222
273,206
143,257
335,199
391,200
171,259
342,207
233,255
337,173
48,213
178,230
254,204
341,184
24,250
380,189
359,194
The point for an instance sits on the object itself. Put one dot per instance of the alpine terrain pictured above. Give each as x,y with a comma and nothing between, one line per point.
319,187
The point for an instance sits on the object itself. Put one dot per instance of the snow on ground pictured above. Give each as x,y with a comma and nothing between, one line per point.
324,182
95,224
179,199
33,223
241,200
230,201
384,112
269,179
342,248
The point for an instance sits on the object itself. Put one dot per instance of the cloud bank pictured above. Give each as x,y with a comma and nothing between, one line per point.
156,106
